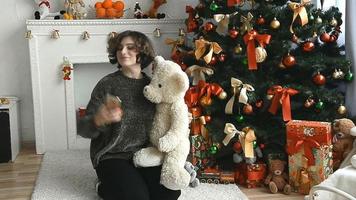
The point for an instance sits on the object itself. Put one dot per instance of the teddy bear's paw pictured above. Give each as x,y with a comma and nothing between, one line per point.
164,145
237,158
194,183
273,187
176,179
353,161
287,189
148,157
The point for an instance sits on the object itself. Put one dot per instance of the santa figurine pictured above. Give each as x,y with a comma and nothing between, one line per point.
43,10
67,70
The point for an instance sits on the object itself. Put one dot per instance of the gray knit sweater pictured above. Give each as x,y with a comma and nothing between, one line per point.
122,139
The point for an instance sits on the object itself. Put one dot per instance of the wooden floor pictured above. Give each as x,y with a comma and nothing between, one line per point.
17,179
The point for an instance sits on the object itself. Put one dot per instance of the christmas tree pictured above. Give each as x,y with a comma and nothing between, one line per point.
260,64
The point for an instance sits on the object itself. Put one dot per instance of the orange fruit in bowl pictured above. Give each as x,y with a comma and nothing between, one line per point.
111,13
107,3
119,5
98,5
100,13
119,14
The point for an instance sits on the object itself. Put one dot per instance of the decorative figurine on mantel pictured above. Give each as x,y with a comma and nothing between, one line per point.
43,11
75,9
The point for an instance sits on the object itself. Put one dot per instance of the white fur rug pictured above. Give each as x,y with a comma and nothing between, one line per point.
68,175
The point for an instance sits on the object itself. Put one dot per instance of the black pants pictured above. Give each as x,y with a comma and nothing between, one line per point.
121,180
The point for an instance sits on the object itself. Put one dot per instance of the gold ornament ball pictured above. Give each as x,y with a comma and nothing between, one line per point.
342,110
238,49
270,96
318,20
333,22
261,54
222,95
281,65
275,23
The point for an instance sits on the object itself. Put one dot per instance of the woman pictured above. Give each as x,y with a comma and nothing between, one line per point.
119,127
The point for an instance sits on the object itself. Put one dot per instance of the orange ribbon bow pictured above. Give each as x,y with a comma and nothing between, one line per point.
201,46
281,96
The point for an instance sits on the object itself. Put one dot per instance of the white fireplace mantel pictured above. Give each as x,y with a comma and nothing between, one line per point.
53,98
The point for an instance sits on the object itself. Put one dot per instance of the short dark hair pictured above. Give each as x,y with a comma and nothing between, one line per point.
142,42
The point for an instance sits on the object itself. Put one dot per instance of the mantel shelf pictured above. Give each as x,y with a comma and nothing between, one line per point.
99,22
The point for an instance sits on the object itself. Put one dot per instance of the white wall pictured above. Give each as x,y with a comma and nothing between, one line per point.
14,57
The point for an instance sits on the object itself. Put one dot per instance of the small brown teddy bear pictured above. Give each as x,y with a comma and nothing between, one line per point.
277,179
343,139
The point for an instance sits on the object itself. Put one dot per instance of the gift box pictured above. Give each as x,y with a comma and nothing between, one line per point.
250,175
199,155
309,153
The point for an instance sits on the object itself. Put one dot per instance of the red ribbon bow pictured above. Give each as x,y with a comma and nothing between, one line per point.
308,141
281,96
249,39
208,89
231,3
191,97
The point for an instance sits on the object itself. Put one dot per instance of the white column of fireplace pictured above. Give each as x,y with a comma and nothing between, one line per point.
53,97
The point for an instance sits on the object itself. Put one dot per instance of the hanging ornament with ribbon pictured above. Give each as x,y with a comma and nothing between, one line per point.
281,97
247,138
239,89
67,68
198,73
246,23
223,22
202,45
230,131
299,10
250,38
231,3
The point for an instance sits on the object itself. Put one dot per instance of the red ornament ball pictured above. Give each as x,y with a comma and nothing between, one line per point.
213,60
248,109
237,147
222,57
260,20
333,38
308,46
209,26
233,33
325,37
319,79
207,118
259,103
289,61
294,38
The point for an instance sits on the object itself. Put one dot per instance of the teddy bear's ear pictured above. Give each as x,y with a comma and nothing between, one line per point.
180,81
353,131
159,59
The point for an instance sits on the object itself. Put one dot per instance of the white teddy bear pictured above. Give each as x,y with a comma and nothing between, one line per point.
170,131
353,158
